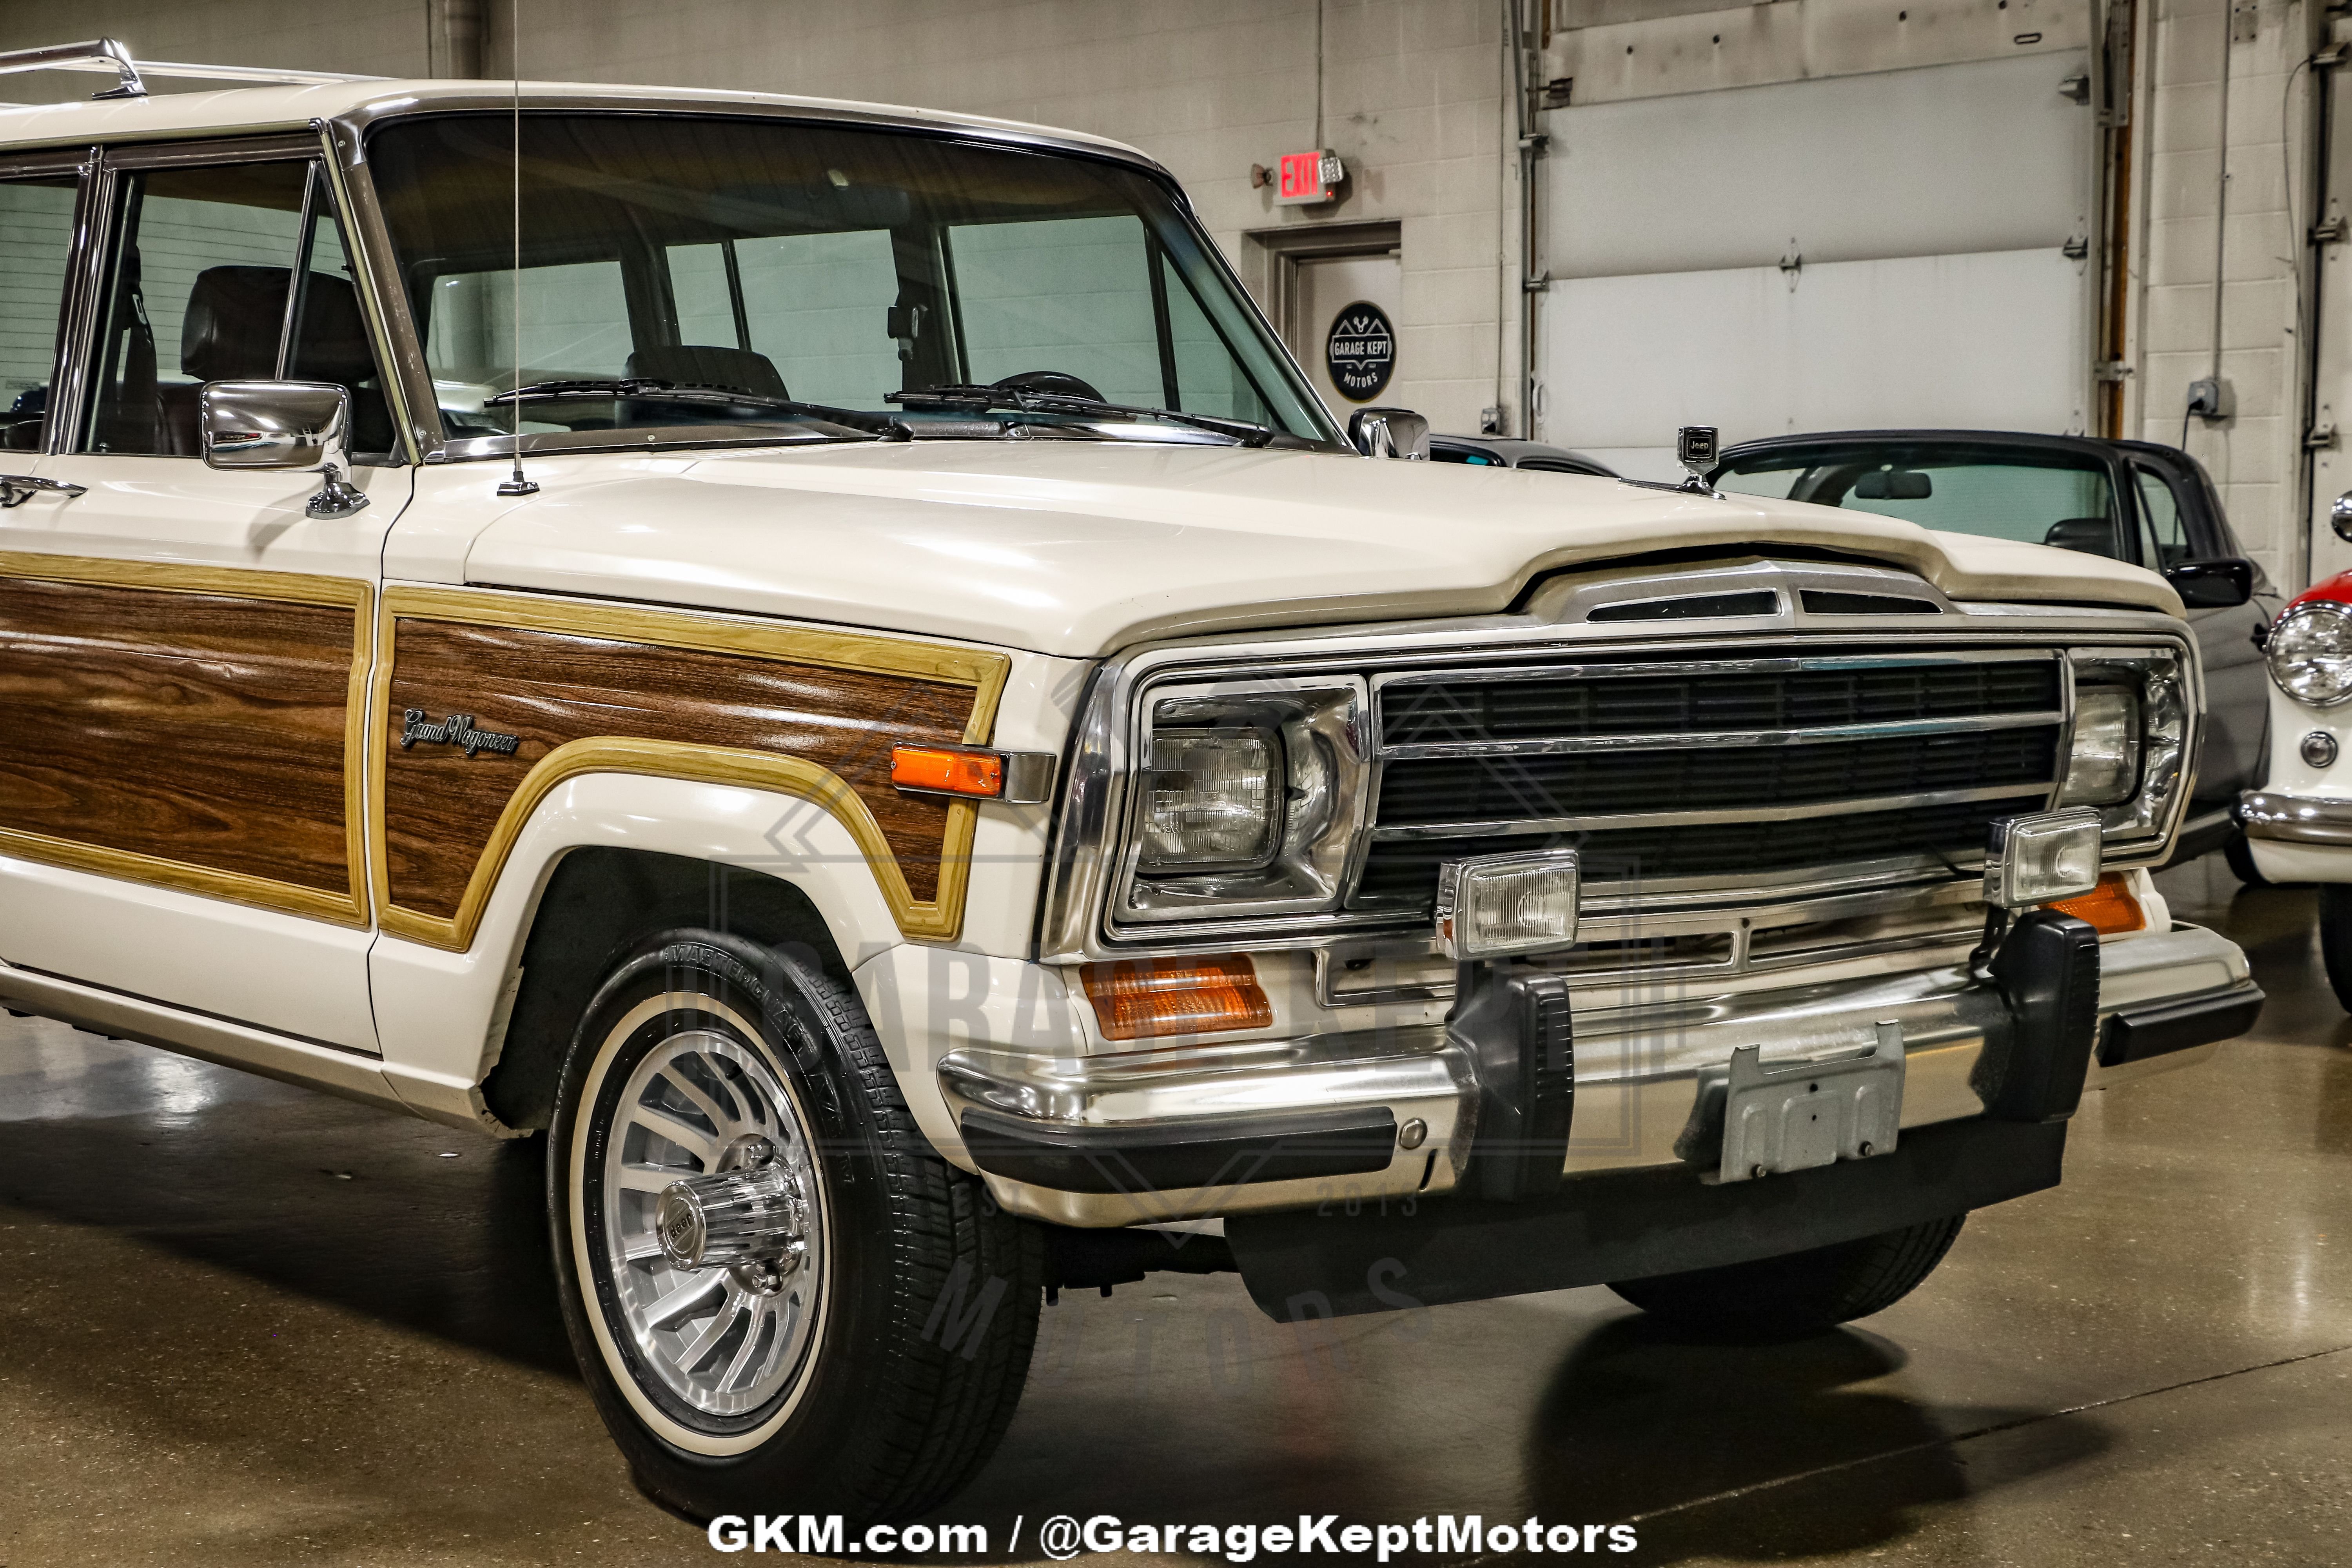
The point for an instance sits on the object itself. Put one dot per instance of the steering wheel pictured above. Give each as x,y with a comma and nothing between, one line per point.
1058,382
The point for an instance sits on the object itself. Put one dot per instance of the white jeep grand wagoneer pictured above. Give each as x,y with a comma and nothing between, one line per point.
822,659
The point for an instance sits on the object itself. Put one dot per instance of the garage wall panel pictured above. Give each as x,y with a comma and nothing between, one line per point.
1992,338
1985,157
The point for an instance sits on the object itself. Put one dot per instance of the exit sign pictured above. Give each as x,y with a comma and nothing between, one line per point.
1306,177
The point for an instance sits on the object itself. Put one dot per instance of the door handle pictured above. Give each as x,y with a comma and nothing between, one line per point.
15,490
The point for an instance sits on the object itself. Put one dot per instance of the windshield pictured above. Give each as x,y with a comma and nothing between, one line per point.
2000,491
807,268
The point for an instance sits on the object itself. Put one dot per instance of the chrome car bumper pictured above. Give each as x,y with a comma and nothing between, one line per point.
2295,818
1151,1136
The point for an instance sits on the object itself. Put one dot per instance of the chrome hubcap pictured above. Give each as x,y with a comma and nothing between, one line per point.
713,1223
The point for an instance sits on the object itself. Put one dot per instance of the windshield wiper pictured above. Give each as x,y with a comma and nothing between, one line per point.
650,389
961,396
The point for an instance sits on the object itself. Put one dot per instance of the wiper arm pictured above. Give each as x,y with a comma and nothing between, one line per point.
1246,432
649,389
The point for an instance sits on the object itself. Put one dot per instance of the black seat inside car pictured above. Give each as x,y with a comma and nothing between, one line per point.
2091,536
706,365
230,333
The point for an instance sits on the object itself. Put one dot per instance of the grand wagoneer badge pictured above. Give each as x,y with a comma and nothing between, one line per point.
457,729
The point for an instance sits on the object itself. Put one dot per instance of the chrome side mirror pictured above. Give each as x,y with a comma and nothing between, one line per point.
1390,433
301,424
2339,517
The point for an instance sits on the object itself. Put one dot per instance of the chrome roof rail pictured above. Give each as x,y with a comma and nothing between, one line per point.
99,54
108,54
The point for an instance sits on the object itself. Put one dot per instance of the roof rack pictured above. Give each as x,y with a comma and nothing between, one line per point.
108,54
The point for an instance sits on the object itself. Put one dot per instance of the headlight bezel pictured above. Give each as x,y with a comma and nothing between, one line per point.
2162,679
1321,753
2304,619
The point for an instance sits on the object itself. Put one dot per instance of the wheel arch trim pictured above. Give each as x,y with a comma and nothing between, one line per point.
444,1011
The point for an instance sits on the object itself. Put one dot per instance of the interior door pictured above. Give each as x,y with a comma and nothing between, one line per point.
1331,289
184,651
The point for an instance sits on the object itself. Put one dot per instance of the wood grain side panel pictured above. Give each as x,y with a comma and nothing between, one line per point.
551,687
203,729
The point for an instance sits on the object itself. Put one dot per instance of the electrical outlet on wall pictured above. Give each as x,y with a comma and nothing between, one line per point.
2209,398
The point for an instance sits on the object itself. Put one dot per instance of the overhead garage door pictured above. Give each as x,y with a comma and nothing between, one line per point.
1854,252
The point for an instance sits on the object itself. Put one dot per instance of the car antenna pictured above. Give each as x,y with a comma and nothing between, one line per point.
516,485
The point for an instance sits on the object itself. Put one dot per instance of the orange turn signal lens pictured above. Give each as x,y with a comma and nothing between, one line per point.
943,770
2109,907
1144,1000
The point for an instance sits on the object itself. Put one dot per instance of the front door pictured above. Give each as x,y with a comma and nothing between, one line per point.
184,651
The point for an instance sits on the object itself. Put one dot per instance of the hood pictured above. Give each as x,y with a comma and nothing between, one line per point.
1079,549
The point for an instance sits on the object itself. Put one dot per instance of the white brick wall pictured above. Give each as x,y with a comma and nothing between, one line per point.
2255,456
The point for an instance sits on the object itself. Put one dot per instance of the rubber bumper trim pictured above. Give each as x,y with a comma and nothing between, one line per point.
1597,1229
1176,1157
2160,1029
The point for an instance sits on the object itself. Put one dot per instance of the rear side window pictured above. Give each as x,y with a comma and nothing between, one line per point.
38,218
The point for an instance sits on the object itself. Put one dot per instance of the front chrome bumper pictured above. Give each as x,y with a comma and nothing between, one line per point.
2295,818
1155,1135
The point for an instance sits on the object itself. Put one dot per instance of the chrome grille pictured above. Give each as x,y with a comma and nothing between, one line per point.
1708,771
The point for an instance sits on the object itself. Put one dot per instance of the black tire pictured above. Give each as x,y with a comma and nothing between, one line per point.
1799,1294
923,1297
2335,938
2241,856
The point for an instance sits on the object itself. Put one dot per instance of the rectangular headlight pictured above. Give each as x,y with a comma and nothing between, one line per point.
1496,905
2102,768
1212,801
2042,856
2135,741
1246,799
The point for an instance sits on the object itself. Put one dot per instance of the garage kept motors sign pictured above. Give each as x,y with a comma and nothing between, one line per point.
1360,351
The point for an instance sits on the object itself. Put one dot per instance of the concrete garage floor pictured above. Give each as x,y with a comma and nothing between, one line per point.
246,1325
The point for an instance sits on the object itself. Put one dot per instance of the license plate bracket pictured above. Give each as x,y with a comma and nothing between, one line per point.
1796,1116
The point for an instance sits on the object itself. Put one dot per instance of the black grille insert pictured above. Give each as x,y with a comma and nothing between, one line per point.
1420,791
1568,706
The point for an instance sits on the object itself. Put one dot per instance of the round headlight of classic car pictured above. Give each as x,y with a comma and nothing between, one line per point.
2310,652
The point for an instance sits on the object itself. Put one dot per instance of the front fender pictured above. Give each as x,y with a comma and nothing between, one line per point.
441,1015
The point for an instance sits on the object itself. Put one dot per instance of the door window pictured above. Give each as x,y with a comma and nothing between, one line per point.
38,218
2165,536
1066,294
222,272
807,303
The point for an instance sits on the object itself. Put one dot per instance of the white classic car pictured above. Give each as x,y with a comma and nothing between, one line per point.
822,659
2299,824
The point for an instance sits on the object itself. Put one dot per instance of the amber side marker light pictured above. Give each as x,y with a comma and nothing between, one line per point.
2109,907
1143,1000
942,770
